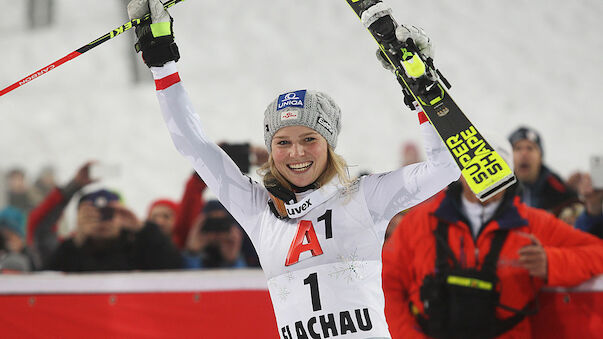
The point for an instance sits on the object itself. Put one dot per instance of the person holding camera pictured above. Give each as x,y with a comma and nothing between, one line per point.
43,220
318,233
215,241
105,231
109,237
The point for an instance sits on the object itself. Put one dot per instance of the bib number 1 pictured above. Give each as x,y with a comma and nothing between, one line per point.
312,280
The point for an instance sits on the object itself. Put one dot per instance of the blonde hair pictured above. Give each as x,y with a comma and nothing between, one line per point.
336,165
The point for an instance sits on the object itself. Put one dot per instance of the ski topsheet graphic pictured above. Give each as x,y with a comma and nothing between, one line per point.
482,167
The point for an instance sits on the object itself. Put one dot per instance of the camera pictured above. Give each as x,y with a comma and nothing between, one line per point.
106,213
596,171
3,247
222,224
239,153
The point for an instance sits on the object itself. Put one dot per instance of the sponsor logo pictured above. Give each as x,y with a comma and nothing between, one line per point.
305,231
326,125
121,29
330,325
441,110
298,210
288,115
291,99
36,74
479,161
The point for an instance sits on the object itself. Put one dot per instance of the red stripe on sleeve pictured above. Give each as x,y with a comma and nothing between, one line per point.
166,82
422,117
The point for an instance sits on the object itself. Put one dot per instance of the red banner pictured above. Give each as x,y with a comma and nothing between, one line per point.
234,314
207,304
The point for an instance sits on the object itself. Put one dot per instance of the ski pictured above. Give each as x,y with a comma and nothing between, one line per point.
483,168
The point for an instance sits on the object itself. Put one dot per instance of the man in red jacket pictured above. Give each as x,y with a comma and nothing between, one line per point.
459,268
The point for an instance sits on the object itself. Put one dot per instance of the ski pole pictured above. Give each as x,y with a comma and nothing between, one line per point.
84,49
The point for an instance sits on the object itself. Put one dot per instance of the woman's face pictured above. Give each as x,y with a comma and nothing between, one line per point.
300,154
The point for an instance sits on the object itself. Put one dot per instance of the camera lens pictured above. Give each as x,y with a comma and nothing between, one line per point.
106,213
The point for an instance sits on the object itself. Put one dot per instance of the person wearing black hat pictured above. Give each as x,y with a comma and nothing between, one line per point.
215,241
109,237
541,187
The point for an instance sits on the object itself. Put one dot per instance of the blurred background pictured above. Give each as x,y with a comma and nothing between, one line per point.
511,63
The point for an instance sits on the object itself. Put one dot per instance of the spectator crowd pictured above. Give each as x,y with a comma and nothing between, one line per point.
542,231
107,235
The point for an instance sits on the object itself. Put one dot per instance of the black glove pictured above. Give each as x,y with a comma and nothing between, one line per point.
155,36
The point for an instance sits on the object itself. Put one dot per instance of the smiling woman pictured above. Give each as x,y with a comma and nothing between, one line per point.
301,130
309,222
299,154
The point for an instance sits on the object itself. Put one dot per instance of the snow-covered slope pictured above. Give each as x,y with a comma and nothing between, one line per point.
510,62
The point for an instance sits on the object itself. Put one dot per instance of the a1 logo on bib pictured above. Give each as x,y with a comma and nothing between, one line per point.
305,231
306,240
291,99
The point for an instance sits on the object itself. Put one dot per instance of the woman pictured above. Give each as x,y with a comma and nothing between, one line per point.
318,233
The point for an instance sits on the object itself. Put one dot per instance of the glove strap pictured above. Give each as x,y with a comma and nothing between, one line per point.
156,42
160,29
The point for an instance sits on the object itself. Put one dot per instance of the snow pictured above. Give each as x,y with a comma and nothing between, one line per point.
511,63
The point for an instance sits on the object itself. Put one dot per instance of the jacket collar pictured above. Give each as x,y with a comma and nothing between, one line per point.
311,198
507,215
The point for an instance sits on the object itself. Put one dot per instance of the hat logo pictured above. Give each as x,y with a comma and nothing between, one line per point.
291,96
325,124
291,99
100,202
288,115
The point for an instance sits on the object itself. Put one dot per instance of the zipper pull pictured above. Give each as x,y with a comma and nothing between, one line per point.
462,259
476,255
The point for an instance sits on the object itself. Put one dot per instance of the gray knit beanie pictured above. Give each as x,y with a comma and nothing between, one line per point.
312,109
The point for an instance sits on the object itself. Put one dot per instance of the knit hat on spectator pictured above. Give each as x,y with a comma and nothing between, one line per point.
13,219
100,198
174,206
526,133
312,109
